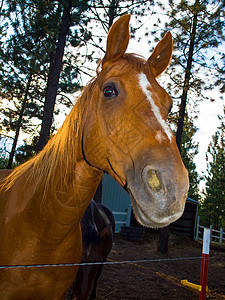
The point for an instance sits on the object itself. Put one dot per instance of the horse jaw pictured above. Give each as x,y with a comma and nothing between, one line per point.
152,222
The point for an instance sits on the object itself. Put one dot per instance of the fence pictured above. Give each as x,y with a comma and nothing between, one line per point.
204,265
217,236
122,218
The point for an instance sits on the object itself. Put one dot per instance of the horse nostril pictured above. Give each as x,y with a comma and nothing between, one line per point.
152,179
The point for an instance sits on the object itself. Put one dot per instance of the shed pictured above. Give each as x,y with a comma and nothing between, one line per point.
118,200
186,224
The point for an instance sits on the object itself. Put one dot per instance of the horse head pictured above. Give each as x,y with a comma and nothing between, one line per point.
125,131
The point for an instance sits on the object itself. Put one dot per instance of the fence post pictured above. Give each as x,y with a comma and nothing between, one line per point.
221,235
204,264
129,212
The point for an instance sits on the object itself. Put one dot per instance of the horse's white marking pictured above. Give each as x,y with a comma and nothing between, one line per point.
144,83
159,136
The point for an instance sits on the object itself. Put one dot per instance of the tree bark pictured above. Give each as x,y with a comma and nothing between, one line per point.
187,79
19,123
53,78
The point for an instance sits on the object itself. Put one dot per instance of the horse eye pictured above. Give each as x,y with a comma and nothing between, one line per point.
110,92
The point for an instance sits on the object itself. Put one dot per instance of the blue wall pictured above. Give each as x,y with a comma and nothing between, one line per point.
117,199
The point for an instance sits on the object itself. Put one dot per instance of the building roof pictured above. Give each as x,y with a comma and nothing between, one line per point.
189,200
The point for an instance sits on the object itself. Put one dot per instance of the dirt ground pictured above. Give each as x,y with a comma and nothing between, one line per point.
159,280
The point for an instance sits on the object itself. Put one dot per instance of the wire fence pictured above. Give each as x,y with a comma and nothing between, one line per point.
97,263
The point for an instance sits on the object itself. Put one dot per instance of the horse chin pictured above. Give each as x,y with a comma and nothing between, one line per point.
148,220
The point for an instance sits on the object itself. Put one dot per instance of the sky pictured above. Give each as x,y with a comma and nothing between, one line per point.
207,123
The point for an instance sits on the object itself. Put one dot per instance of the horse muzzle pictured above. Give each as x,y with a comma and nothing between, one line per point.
158,196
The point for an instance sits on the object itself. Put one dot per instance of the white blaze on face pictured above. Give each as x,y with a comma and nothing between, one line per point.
144,83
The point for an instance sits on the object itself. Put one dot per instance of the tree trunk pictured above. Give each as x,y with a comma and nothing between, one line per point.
53,78
164,239
187,79
19,123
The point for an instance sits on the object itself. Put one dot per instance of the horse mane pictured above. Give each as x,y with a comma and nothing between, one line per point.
58,158
136,60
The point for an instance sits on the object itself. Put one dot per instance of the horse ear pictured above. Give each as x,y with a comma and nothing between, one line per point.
161,56
117,40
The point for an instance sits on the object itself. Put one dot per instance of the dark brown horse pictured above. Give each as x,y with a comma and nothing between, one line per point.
118,125
98,228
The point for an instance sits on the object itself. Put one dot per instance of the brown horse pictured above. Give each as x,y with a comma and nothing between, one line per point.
98,228
118,125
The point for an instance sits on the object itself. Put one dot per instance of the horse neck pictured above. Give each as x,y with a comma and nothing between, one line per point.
69,178
57,183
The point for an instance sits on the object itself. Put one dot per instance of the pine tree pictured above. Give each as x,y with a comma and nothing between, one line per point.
72,15
102,14
105,12
213,207
27,50
26,151
18,77
188,151
197,27
198,30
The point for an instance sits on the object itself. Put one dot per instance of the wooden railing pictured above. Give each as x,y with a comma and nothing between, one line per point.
217,236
